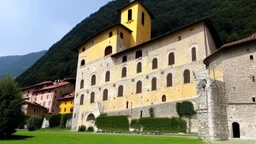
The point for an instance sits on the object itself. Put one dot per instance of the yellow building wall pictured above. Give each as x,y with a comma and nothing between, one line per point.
68,104
140,33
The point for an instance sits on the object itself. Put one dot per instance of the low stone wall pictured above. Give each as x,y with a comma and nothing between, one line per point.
45,123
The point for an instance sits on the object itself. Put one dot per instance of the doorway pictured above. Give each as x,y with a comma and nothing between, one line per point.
236,130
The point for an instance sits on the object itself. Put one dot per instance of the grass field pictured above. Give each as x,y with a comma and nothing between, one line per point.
40,137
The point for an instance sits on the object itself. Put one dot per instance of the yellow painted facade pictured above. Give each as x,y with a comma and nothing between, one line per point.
66,106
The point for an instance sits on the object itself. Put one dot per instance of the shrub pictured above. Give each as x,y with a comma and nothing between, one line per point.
163,124
34,123
90,129
81,128
64,119
151,112
135,123
11,103
54,120
113,123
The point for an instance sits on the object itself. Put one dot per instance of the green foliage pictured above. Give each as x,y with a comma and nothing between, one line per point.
233,19
185,108
11,102
81,128
113,123
64,118
151,112
163,124
90,129
135,123
54,120
104,114
34,123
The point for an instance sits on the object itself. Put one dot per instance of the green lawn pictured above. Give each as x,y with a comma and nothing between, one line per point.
86,138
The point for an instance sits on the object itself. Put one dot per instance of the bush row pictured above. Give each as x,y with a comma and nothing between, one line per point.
82,128
34,122
113,123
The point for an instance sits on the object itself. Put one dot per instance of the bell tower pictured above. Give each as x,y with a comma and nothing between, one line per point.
137,18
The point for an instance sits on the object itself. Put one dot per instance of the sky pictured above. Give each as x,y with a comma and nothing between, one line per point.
33,25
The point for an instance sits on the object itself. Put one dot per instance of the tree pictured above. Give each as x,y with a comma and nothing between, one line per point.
186,109
11,115
151,112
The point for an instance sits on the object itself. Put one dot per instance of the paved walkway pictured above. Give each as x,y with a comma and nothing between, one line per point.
235,142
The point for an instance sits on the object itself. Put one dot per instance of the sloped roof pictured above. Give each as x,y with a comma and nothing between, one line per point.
35,104
68,96
39,84
53,86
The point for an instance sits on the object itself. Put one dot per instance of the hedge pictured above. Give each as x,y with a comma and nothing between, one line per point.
34,123
172,125
64,118
135,123
113,123
54,120
81,128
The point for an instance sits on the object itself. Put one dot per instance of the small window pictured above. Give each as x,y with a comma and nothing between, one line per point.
82,100
121,35
92,97
169,80
82,84
251,57
193,52
153,84
141,114
129,14
154,63
163,98
110,34
93,80
120,91
142,18
139,87
124,59
83,49
64,109
171,59
138,54
82,62
139,67
186,76
127,105
253,99
105,95
179,38
108,50
107,76
124,72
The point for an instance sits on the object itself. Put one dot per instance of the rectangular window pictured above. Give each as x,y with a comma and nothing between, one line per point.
121,35
251,57
129,14
142,18
253,99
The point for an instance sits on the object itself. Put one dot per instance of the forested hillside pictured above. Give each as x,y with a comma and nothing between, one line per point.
15,65
233,19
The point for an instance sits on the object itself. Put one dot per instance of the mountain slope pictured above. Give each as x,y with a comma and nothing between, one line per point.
15,65
232,19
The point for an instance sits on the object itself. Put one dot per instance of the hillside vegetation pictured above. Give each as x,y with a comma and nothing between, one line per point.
233,19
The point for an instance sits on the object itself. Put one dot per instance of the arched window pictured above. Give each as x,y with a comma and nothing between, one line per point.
107,76
93,80
142,18
120,91
139,67
169,80
139,87
154,63
108,50
82,62
186,76
193,52
124,59
129,14
82,84
92,97
124,72
138,54
153,84
105,95
110,34
82,100
171,59
163,98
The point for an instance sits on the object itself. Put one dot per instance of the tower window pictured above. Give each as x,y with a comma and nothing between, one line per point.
108,50
129,14
93,80
169,80
193,52
253,99
110,34
142,18
186,76
124,72
171,59
105,95
83,49
107,76
121,35
120,91
92,97
163,98
139,67
153,84
127,104
179,38
251,57
139,87
154,63
124,59
82,100
82,62
138,54
82,84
